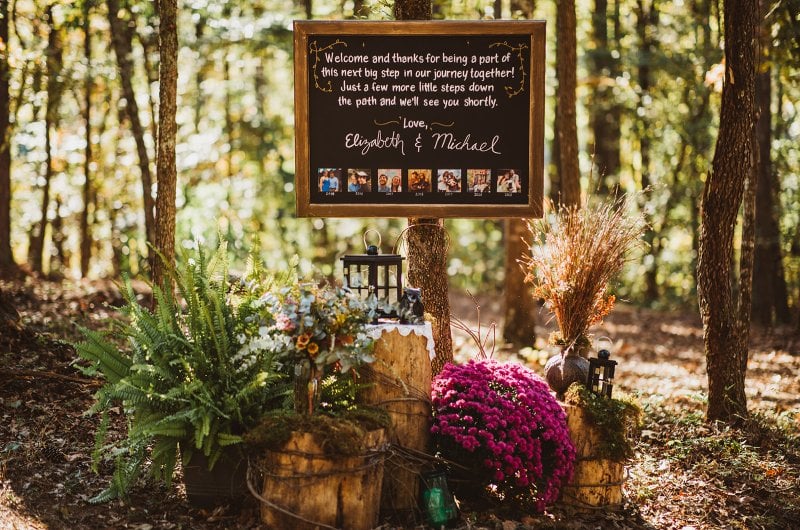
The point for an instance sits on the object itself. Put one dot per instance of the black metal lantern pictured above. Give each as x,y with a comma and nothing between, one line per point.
601,374
374,273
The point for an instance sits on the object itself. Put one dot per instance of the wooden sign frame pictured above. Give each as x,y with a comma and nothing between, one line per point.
352,46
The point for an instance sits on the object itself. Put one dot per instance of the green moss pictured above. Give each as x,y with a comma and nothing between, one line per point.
342,434
616,419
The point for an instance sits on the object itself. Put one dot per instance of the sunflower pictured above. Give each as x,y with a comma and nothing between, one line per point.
302,341
313,349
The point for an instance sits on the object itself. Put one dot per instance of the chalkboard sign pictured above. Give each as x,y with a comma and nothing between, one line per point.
410,119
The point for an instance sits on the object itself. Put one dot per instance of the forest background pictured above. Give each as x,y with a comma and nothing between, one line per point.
649,82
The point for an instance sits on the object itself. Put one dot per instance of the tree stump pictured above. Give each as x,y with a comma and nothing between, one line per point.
595,481
305,489
401,384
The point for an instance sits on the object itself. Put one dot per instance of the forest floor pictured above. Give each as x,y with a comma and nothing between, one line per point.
687,474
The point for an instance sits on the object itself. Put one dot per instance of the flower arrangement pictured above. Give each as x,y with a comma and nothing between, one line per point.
500,422
579,251
313,331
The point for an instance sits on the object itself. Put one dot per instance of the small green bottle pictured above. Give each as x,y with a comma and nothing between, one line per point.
440,507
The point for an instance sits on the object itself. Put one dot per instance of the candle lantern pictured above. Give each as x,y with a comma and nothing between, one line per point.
601,373
374,273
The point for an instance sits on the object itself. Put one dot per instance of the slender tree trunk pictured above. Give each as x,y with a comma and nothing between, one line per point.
360,9
605,112
519,325
567,126
427,241
199,30
770,302
59,259
646,21
229,123
55,61
167,109
7,264
725,328
86,237
121,39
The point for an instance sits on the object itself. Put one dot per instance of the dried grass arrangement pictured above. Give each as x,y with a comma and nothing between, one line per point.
575,254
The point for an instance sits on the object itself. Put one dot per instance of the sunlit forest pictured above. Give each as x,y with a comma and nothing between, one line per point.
671,181
649,83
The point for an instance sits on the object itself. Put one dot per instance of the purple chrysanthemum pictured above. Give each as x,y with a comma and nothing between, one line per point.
500,421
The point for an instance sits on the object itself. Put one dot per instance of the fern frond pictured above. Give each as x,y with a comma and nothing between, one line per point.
113,364
164,456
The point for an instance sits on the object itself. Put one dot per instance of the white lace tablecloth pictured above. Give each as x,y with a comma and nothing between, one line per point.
423,330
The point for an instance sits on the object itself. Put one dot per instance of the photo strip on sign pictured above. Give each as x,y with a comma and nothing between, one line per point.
399,119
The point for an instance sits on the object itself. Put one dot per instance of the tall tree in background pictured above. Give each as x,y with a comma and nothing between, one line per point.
7,264
86,236
646,23
566,127
55,62
428,242
519,322
121,38
769,285
167,171
726,310
605,111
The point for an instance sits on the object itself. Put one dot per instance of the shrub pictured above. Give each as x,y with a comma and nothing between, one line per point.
500,422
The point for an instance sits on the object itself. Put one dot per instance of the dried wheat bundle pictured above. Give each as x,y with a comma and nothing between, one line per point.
574,255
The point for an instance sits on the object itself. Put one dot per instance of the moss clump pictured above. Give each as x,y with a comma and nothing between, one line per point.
342,434
616,419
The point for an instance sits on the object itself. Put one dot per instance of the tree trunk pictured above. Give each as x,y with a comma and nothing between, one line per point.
55,61
427,241
412,9
566,126
167,170
769,285
7,264
427,270
199,30
725,331
604,111
86,237
646,20
121,39
519,324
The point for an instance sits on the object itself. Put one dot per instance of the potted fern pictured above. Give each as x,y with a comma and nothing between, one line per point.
186,387
575,254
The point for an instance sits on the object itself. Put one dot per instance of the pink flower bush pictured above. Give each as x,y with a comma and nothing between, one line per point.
500,421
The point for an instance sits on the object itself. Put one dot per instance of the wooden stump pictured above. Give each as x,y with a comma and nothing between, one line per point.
595,481
401,384
305,489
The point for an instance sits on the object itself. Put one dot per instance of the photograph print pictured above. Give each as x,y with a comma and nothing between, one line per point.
419,180
479,180
449,180
329,179
508,181
359,180
390,181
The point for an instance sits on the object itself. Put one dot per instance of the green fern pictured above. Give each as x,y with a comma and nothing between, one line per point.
175,381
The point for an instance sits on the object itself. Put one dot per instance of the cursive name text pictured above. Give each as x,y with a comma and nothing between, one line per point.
356,141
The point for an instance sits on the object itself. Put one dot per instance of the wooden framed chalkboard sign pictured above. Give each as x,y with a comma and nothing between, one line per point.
419,118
